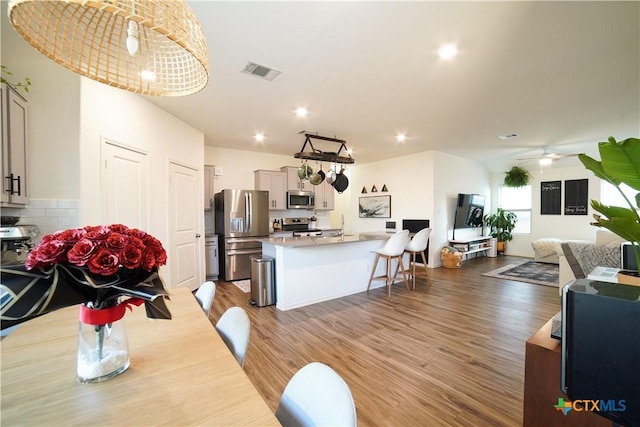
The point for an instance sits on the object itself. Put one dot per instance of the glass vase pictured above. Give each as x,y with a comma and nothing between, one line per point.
103,351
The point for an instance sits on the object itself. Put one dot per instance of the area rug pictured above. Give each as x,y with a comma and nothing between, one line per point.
243,285
539,273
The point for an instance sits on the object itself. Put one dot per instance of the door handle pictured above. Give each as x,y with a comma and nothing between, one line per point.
198,236
11,189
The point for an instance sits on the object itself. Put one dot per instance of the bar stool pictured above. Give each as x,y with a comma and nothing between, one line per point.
417,246
392,249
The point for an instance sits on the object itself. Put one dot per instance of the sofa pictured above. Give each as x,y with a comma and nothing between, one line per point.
546,250
577,258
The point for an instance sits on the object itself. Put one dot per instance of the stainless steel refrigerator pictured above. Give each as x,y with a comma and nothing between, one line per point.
241,217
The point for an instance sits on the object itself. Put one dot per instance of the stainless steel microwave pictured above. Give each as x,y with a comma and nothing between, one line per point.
300,200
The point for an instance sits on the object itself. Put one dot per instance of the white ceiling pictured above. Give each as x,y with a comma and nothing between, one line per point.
562,75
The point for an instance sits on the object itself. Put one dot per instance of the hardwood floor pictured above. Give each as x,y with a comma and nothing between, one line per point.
449,353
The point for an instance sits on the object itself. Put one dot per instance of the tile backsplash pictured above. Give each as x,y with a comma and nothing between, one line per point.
50,215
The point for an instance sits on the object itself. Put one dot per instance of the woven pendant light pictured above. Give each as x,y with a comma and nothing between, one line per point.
90,38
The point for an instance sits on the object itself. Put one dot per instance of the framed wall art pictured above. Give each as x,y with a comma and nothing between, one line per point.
550,198
576,196
375,207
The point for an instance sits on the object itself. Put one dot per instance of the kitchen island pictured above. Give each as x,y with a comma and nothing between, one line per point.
309,270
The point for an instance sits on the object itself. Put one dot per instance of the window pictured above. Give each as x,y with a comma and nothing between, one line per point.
609,195
518,201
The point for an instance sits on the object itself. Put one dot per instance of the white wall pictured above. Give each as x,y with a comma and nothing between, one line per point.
131,120
409,181
453,175
238,166
559,226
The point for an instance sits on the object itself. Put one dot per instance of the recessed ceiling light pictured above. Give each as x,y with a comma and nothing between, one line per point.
301,112
259,137
401,137
508,136
447,51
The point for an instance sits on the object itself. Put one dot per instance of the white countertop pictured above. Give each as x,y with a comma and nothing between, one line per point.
301,242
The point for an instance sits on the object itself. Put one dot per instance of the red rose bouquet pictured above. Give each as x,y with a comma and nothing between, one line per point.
102,249
94,266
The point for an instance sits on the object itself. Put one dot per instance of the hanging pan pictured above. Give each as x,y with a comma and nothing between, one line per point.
316,178
331,175
342,182
304,171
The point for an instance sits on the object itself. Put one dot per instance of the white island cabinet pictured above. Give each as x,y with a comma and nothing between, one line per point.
309,270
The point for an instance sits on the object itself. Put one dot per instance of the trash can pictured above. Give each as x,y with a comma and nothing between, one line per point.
492,252
263,280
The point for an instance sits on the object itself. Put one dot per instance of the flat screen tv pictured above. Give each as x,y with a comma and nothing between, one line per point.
469,211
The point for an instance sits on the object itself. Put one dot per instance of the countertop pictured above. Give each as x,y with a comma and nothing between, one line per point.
302,242
288,233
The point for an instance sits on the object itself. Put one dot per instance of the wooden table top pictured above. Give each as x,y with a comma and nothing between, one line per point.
181,373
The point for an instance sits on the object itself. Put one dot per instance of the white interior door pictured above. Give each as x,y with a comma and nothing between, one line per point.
125,183
185,234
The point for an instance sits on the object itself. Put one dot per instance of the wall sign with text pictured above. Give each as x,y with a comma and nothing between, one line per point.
576,196
550,198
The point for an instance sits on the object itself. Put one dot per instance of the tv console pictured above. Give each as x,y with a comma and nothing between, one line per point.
472,245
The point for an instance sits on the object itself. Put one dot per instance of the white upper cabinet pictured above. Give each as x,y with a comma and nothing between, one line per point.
294,182
275,183
13,166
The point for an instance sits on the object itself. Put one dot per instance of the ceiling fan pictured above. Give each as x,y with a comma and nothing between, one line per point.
547,157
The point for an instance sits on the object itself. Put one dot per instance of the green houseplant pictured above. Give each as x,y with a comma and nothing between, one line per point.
620,164
516,177
500,225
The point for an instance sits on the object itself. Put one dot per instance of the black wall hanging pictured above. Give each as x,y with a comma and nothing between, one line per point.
576,196
550,198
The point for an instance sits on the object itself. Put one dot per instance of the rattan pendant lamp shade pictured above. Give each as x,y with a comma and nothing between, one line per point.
90,38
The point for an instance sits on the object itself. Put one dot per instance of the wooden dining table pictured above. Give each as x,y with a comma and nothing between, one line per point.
181,374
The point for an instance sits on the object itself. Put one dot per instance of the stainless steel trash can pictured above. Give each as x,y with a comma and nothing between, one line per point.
492,252
263,280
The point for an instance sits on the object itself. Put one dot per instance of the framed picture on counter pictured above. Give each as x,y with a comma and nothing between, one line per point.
375,207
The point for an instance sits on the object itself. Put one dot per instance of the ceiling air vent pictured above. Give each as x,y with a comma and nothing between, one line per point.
261,71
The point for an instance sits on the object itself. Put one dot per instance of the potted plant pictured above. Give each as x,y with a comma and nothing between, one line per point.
501,224
516,177
620,164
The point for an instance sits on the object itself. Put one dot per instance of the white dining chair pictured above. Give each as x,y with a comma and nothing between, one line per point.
316,395
205,296
234,328
393,249
416,246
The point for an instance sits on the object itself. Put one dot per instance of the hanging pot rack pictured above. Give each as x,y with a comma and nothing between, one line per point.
324,156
